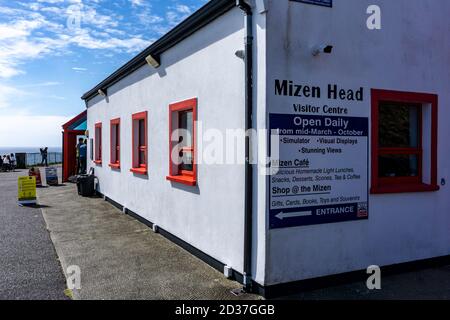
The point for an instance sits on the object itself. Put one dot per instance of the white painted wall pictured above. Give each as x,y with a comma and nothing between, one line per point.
211,216
410,53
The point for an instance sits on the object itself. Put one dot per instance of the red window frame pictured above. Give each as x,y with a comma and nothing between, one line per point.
98,143
138,166
115,147
183,176
380,185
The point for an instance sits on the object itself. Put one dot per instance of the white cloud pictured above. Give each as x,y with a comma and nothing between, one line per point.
42,84
29,34
177,14
23,130
137,3
79,69
7,94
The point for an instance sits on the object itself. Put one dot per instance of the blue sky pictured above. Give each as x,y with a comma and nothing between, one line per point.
52,51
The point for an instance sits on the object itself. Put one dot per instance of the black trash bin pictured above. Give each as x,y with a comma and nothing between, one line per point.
86,185
21,160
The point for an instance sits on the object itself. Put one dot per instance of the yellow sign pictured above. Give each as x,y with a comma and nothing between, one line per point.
27,190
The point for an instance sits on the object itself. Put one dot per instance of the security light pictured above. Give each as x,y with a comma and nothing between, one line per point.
101,92
328,49
152,61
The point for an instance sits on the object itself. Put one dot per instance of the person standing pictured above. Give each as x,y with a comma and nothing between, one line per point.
78,167
7,163
82,151
44,155
13,162
79,160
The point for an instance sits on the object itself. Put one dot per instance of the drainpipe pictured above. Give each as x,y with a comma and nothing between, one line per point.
248,225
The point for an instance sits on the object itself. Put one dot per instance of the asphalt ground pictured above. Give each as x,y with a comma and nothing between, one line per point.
29,266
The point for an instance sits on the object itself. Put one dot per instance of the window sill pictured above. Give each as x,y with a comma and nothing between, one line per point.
404,188
98,162
114,165
141,171
189,181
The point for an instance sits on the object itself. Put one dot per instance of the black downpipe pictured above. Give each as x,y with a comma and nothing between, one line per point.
248,227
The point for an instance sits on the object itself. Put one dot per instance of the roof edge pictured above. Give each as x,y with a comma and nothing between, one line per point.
202,17
75,119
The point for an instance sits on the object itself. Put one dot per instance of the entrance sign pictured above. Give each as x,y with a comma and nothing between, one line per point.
27,191
321,173
324,3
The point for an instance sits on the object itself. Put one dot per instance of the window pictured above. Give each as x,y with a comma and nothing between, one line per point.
140,143
91,149
115,144
98,143
182,142
404,142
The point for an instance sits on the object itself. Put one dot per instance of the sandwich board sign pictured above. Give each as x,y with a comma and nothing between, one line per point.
36,173
27,191
51,175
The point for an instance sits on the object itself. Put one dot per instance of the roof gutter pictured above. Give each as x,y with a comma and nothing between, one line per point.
248,224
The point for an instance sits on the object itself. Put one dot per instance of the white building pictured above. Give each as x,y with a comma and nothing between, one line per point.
362,118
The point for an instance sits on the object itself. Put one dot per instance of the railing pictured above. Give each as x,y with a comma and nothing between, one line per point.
33,159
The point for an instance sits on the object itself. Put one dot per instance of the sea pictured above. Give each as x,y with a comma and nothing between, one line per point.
9,150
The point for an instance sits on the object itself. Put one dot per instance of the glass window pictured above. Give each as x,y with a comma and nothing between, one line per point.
115,143
186,141
98,143
182,161
399,140
392,166
404,147
142,143
399,125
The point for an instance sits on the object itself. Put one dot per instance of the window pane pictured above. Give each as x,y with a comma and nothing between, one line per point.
117,135
141,132
186,123
398,166
187,161
142,159
117,143
399,125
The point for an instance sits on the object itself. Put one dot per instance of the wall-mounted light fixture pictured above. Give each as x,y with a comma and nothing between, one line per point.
153,61
328,49
240,54
102,92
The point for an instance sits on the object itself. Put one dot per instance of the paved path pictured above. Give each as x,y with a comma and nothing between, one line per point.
427,284
120,258
29,268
